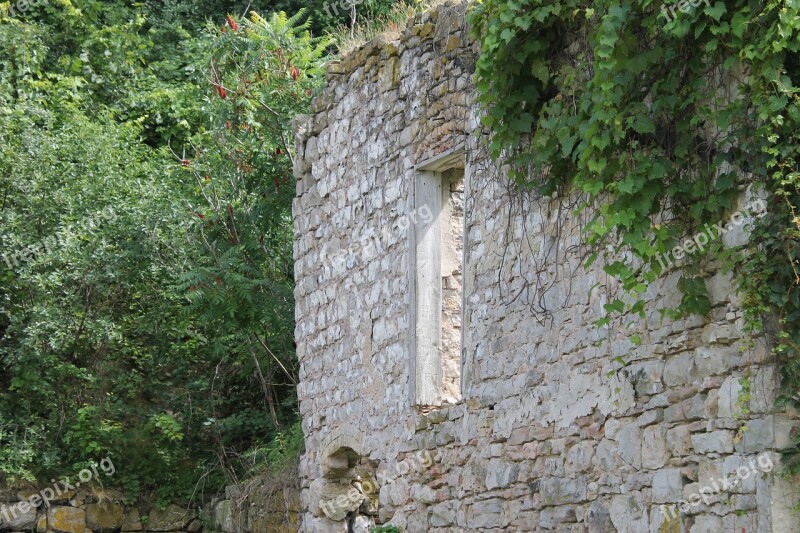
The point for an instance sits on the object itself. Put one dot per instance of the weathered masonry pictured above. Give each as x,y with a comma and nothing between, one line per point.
452,377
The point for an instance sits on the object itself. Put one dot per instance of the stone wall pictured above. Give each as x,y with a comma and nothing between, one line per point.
550,433
251,508
83,512
256,507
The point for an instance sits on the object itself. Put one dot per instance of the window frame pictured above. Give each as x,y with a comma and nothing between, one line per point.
426,372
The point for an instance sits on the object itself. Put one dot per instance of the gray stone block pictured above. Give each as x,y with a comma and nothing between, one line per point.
713,442
759,435
668,486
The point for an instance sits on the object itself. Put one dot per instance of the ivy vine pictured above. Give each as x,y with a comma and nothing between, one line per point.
660,115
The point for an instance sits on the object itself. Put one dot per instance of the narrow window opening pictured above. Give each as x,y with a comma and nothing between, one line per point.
438,278
452,252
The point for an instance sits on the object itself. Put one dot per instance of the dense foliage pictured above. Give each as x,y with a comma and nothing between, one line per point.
146,308
657,116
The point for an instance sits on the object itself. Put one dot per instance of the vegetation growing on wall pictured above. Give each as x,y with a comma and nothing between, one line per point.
658,114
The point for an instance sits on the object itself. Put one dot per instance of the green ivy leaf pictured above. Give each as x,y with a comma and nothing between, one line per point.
644,124
716,11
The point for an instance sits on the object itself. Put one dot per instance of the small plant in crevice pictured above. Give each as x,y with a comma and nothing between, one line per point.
388,528
743,405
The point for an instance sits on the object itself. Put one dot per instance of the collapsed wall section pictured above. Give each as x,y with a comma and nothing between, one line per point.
547,431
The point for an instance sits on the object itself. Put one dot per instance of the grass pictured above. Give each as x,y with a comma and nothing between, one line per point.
391,24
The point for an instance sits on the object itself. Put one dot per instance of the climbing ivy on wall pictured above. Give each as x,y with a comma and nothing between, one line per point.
658,115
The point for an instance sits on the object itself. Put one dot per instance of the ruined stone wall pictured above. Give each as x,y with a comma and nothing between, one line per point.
253,507
78,511
550,432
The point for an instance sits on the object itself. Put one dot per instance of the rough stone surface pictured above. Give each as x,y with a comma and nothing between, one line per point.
13,518
667,486
104,517
713,442
759,435
549,432
173,518
66,520
84,512
132,521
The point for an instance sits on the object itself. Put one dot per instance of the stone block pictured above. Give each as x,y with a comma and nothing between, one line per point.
174,517
551,517
66,519
606,457
695,407
530,433
442,515
490,506
680,370
654,447
675,413
104,517
716,360
423,494
500,474
666,519
713,442
629,513
759,435
15,518
324,525
712,404
558,491
741,522
728,397
132,521
489,513
647,377
705,523
679,442
579,458
598,518
668,486
223,518
630,445
740,475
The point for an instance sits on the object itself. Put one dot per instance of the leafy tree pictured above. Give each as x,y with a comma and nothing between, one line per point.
146,307
263,71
